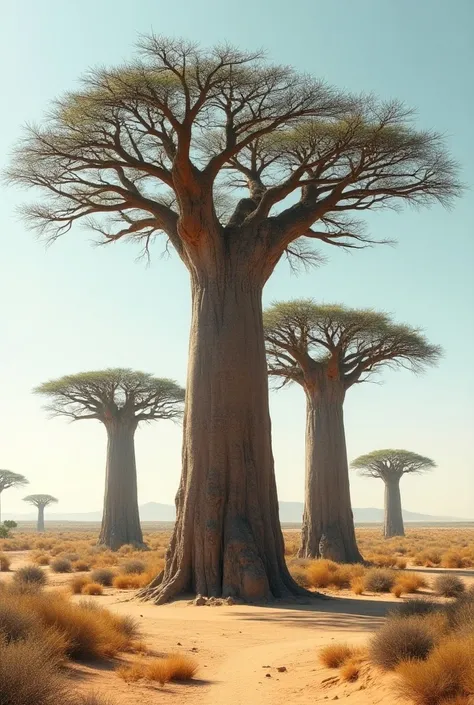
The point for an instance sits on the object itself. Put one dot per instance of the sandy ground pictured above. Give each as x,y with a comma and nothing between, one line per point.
240,649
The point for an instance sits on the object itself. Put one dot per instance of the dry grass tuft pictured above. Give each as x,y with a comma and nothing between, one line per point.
176,667
103,576
449,585
29,674
128,582
379,580
335,655
81,566
4,563
92,589
448,673
401,639
357,586
78,583
133,567
350,671
410,582
61,565
30,575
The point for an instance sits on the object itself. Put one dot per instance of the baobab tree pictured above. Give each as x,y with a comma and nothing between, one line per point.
40,501
327,349
390,466
159,146
10,479
121,399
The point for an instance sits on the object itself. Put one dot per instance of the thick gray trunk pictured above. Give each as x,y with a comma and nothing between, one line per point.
120,520
40,525
328,523
393,524
227,539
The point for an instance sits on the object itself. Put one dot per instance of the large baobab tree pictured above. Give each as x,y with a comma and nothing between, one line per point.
10,479
156,146
40,501
327,349
390,466
120,399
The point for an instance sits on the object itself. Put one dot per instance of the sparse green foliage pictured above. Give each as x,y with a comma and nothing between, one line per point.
111,393
350,344
10,524
388,463
40,500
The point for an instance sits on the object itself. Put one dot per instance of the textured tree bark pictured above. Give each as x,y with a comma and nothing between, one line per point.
328,522
40,524
393,524
227,539
121,520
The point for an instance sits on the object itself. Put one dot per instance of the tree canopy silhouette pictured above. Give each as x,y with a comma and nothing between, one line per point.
390,465
238,163
327,349
10,479
120,399
40,501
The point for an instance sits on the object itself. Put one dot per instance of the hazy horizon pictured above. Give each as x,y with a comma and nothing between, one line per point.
73,307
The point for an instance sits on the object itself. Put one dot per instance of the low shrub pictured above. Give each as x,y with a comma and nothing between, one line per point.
30,575
417,607
410,582
15,624
4,563
41,559
449,585
133,567
177,667
92,589
103,576
81,566
357,586
452,559
29,674
335,655
78,583
61,565
128,582
350,671
448,673
379,580
401,639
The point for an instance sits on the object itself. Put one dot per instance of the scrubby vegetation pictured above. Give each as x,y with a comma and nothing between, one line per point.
176,667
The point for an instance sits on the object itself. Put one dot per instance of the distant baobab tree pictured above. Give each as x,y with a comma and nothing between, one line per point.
40,501
327,349
10,479
390,466
121,399
238,163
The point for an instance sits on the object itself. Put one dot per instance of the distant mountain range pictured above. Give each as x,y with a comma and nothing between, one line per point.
290,513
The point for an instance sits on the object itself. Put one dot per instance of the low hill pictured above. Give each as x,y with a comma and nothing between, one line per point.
290,513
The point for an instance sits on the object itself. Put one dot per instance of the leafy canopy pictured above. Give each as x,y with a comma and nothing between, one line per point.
116,393
11,479
219,144
351,344
40,500
388,463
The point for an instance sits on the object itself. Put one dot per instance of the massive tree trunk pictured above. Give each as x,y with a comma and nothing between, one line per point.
393,521
227,539
328,523
40,524
120,520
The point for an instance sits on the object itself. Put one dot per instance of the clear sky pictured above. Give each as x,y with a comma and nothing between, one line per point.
74,307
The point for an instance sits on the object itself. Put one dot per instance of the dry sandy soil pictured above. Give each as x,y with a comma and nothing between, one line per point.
240,649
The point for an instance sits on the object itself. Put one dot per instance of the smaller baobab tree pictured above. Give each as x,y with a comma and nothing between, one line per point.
121,399
10,479
327,349
40,501
390,466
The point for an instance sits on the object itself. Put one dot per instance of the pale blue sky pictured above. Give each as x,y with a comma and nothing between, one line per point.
73,307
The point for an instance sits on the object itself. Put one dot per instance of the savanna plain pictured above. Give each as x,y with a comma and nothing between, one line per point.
399,628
